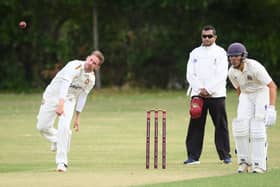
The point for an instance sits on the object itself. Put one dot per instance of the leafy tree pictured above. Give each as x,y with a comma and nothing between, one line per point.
146,43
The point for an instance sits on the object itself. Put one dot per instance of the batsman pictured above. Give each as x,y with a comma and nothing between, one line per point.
256,108
67,92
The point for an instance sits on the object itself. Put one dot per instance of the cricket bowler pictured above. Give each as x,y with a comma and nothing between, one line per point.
67,92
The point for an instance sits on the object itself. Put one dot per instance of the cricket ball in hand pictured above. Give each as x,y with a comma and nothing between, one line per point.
22,24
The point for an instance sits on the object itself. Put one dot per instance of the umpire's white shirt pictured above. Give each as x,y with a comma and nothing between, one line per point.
207,68
81,82
254,77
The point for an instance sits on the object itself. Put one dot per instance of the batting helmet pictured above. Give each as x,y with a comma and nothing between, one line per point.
236,49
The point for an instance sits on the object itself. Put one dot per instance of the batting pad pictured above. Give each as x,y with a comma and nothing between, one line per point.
258,140
240,129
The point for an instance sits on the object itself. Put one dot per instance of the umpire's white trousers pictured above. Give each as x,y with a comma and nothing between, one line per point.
61,135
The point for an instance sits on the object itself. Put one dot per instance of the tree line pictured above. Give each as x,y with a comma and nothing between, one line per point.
146,43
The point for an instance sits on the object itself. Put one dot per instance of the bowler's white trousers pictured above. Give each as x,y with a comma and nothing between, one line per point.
61,135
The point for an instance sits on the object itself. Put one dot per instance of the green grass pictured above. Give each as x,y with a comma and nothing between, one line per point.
248,180
109,150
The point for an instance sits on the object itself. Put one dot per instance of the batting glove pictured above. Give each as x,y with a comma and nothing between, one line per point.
270,117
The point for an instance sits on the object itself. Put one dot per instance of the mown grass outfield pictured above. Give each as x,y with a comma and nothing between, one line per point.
109,150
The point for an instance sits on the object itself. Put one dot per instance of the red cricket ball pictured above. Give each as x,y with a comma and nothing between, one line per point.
22,24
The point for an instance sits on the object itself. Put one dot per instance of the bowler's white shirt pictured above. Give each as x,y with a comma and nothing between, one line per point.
254,77
207,68
75,73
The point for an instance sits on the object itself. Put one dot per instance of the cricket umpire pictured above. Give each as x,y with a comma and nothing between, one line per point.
207,74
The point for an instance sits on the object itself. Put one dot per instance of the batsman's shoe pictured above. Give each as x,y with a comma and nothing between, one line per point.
243,168
61,167
258,170
53,147
191,161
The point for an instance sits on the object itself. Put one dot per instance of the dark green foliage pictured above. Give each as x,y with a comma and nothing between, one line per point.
146,43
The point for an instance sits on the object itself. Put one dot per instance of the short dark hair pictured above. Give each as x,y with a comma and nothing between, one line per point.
209,27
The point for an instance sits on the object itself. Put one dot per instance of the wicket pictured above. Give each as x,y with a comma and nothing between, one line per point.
156,114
